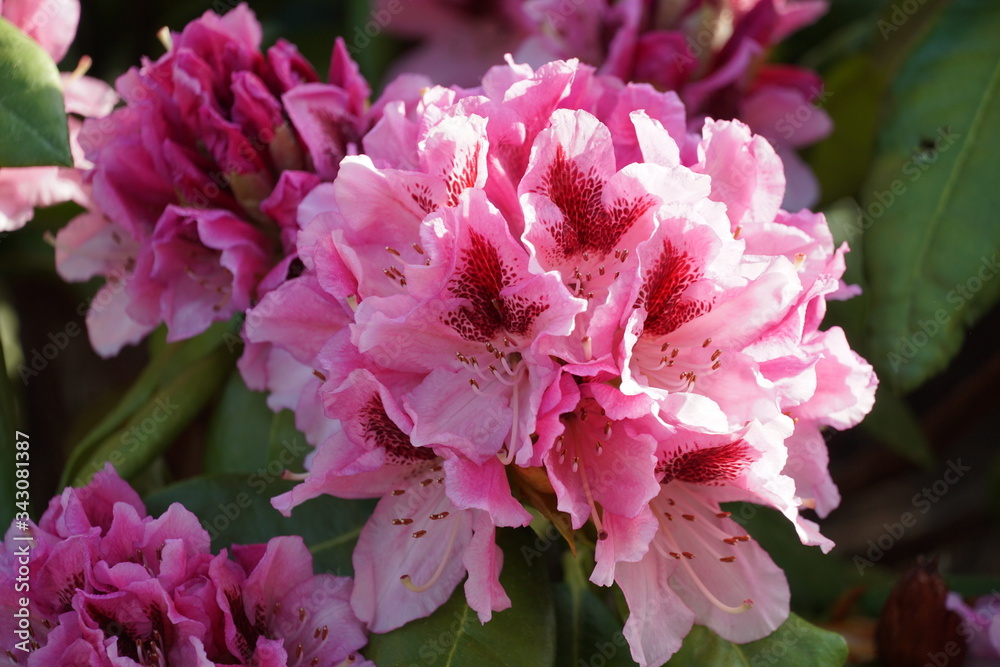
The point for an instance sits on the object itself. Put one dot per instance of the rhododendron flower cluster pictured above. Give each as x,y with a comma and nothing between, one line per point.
197,178
547,280
713,53
24,189
111,585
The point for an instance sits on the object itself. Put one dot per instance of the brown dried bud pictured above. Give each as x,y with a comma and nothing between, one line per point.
915,628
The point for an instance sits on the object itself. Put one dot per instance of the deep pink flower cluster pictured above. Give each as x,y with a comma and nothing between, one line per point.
713,53
549,277
22,190
197,178
110,585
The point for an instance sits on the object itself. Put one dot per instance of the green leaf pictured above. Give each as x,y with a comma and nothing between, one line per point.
931,202
853,92
151,428
523,635
190,371
32,114
287,444
236,509
586,627
795,643
239,435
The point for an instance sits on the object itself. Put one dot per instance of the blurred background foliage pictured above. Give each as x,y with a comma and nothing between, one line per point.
922,221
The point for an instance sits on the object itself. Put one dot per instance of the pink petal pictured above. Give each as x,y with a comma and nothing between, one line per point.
658,619
380,599
484,561
484,487
53,28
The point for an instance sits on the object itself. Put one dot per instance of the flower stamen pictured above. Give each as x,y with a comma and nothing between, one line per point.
408,581
747,603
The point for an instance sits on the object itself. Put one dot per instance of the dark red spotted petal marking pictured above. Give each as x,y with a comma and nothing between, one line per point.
383,431
422,196
480,280
462,176
661,294
587,226
710,465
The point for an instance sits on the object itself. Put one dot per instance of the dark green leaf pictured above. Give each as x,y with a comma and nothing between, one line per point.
240,431
287,444
900,27
236,509
852,93
587,630
151,428
931,199
32,114
794,644
187,373
523,635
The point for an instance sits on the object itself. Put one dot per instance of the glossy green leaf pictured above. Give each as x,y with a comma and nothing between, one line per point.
930,196
32,114
586,629
794,644
236,509
522,636
240,431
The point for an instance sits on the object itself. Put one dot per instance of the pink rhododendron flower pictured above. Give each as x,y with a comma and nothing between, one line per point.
549,271
713,53
199,175
111,585
22,190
